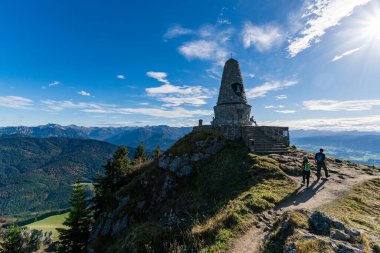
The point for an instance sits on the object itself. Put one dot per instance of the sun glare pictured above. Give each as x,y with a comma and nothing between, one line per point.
372,27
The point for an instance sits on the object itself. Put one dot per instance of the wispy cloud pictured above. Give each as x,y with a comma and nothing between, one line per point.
16,102
286,111
273,106
173,95
168,88
367,123
281,97
320,16
262,90
223,21
263,38
177,31
211,43
54,83
335,105
158,112
98,108
84,93
204,50
54,105
120,76
349,52
159,76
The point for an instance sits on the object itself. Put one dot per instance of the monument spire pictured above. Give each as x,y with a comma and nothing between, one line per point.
232,87
232,107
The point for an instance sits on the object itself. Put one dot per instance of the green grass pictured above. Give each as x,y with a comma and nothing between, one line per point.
359,208
50,224
218,202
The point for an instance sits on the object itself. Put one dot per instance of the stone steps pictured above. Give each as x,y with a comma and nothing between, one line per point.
262,144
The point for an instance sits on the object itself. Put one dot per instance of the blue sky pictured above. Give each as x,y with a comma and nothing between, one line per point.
306,64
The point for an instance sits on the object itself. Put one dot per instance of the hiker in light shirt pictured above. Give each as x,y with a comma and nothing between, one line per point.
306,168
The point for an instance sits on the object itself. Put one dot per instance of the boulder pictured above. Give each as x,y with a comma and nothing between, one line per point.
175,164
185,170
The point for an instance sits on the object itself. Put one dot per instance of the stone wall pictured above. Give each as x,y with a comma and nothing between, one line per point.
232,114
228,132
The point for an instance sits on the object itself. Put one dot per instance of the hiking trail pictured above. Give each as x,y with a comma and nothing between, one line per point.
343,176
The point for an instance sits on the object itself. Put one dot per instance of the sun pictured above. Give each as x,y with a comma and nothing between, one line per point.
371,27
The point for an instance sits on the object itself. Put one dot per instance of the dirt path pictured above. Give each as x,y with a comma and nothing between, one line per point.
343,176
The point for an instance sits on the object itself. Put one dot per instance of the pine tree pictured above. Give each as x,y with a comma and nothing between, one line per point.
13,241
156,152
140,154
75,237
116,171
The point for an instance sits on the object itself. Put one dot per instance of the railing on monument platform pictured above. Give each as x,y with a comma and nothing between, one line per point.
278,133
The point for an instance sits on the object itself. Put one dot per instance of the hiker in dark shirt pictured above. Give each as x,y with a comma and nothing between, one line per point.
306,167
321,163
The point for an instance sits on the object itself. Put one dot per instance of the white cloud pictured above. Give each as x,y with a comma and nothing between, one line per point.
251,75
144,103
273,106
204,50
54,83
285,111
335,105
120,76
281,97
84,93
176,31
174,113
263,38
223,21
177,101
16,102
320,16
54,105
159,76
177,95
349,52
168,88
211,44
368,123
178,112
262,90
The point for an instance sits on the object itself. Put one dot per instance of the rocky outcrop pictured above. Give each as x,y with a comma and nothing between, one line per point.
302,229
181,165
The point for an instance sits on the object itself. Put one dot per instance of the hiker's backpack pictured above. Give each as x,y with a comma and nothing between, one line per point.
307,167
319,157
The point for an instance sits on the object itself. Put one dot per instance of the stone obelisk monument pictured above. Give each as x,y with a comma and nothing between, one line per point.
232,107
232,116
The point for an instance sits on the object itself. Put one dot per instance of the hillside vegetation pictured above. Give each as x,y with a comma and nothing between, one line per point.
36,173
161,212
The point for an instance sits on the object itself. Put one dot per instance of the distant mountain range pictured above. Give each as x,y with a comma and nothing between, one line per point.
351,145
360,147
165,136
36,174
39,164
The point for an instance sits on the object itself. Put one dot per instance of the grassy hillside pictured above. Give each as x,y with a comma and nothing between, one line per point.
50,224
347,223
36,173
202,212
360,208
